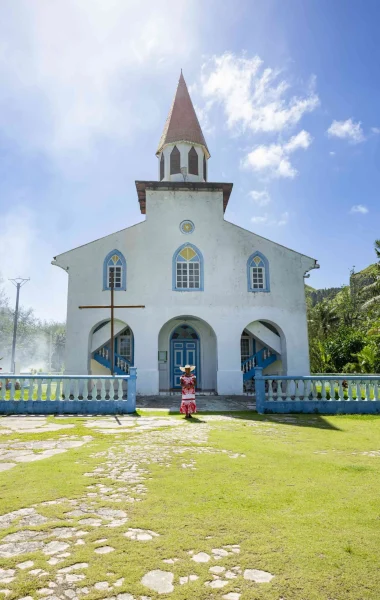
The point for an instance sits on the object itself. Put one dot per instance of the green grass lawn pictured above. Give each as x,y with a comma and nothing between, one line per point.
301,500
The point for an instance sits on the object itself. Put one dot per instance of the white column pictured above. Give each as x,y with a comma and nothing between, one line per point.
229,375
146,358
297,348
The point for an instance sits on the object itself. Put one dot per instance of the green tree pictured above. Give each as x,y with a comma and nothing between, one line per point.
371,292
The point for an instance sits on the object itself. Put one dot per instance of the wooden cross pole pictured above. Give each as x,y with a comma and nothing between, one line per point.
112,307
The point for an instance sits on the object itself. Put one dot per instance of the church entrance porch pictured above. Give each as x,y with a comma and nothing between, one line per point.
186,340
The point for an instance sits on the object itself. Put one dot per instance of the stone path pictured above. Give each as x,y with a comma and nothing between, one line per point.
16,451
121,474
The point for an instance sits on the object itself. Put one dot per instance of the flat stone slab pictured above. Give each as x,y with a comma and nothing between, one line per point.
217,570
159,581
232,596
5,466
258,576
17,548
217,584
104,550
201,557
28,564
6,575
55,547
141,535
15,452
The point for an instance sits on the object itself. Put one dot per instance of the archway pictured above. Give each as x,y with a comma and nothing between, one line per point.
262,344
100,354
184,340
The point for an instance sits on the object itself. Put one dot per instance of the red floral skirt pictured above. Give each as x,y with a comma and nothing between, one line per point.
188,407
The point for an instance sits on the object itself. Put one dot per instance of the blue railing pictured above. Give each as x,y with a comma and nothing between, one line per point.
121,364
263,358
68,394
330,394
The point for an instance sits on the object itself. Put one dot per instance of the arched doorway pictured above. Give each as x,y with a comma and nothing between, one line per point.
101,354
262,344
184,349
187,339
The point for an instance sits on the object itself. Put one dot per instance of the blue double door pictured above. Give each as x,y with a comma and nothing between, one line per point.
184,352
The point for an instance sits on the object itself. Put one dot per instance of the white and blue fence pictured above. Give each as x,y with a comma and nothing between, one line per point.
330,394
68,394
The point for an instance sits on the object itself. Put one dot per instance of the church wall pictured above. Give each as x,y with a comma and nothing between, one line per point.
225,304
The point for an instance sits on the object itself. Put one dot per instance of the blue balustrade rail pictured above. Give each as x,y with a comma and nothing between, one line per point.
68,394
331,394
263,358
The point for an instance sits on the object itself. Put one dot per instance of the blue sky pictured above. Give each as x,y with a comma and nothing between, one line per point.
287,94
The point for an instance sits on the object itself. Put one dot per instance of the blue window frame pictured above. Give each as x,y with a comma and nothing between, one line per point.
114,263
258,273
188,269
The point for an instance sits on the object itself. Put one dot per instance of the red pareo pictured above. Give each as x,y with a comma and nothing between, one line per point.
188,405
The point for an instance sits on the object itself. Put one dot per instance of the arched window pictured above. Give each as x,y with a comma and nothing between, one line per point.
175,161
115,267
188,269
204,168
193,161
258,273
162,166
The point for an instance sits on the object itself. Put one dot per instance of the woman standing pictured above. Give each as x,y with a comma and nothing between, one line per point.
188,382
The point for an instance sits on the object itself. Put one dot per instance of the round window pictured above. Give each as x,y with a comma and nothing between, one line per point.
187,227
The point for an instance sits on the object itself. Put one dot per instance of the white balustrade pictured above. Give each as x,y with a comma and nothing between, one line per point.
18,388
358,388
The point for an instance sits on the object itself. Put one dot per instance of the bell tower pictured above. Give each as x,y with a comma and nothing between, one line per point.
182,151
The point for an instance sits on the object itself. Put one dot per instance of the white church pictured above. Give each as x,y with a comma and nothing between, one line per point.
215,295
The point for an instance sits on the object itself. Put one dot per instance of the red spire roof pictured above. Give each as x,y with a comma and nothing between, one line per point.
182,124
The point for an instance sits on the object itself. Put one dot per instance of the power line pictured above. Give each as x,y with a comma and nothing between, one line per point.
18,282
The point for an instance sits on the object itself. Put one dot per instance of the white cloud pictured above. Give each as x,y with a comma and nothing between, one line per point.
275,222
253,97
68,69
347,130
260,198
332,153
302,140
375,130
259,219
359,208
274,160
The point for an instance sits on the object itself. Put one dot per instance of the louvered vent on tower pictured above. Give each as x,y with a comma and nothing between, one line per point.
193,161
175,161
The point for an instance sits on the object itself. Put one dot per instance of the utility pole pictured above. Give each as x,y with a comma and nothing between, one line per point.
18,283
50,349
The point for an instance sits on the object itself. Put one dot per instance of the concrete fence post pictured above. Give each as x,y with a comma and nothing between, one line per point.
132,388
260,390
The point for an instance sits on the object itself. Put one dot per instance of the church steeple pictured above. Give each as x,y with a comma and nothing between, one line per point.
182,150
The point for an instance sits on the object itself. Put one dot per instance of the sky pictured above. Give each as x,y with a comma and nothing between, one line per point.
287,94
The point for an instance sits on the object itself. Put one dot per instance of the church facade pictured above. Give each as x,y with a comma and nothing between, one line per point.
215,295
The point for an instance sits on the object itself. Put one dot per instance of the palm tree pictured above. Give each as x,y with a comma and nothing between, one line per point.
324,317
